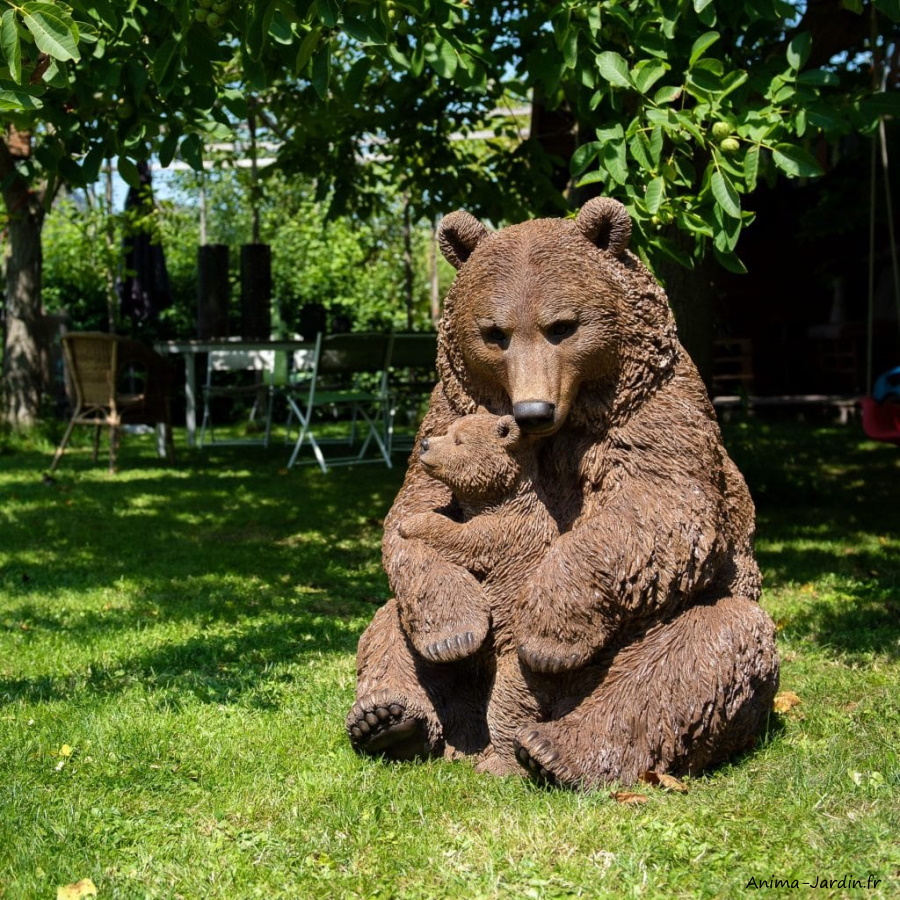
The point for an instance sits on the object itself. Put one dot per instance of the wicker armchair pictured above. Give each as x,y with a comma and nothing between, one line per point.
115,382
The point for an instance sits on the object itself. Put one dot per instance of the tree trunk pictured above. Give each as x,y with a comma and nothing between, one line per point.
691,296
24,335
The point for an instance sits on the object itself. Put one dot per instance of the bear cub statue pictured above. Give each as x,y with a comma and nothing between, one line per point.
489,464
575,592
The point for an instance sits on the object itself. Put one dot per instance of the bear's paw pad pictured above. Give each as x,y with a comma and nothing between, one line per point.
377,726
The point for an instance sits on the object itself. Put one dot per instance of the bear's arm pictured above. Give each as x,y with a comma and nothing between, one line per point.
478,544
649,539
442,606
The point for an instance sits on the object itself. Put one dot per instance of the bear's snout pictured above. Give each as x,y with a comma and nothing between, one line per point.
534,415
425,445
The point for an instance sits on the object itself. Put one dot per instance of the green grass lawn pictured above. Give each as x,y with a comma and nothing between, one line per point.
177,657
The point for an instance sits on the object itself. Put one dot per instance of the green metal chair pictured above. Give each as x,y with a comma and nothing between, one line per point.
344,385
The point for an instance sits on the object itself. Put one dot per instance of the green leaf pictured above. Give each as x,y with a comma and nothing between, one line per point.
165,65
192,151
129,172
891,8
92,163
702,44
13,99
818,78
853,5
584,156
356,78
307,47
730,261
646,73
654,195
667,94
615,161
798,50
639,146
883,103
444,60
614,69
613,133
167,149
795,161
592,178
751,168
700,5
53,30
329,12
726,196
321,71
705,81
10,45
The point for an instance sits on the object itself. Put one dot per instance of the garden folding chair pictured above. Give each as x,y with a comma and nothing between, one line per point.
412,375
233,373
345,379
116,382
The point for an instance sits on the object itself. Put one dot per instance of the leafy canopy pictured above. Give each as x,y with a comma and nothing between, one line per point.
676,107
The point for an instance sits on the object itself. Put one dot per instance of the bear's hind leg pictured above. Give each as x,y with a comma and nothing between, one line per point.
688,694
393,715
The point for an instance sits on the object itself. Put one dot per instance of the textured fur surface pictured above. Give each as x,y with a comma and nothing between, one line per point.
632,639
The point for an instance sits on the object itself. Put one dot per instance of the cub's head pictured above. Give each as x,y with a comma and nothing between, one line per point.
476,458
540,310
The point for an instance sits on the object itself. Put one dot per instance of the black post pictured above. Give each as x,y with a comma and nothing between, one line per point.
256,291
213,291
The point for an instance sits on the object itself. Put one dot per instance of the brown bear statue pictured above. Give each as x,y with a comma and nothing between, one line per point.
633,641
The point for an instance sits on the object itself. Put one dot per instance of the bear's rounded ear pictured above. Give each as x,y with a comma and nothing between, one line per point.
508,431
606,224
458,235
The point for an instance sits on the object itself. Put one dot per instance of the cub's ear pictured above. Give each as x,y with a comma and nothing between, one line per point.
458,235
508,431
605,223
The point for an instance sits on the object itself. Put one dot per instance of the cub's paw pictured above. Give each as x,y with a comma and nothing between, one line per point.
381,725
450,647
419,525
542,654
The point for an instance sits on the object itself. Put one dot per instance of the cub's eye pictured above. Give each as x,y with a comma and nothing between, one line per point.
493,335
561,329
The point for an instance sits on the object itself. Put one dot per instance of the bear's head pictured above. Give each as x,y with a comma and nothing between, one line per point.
477,458
552,320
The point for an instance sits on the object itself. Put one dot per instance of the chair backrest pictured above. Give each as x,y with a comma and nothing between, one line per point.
91,363
414,350
354,353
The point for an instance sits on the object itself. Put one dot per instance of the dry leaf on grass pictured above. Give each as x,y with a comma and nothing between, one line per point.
667,782
80,890
628,797
785,701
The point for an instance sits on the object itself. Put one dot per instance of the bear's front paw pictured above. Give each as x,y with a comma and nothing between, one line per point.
543,654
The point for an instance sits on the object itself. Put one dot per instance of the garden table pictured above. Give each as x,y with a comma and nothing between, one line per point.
189,349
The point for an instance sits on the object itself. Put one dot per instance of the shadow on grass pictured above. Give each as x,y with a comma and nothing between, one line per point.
263,565
827,502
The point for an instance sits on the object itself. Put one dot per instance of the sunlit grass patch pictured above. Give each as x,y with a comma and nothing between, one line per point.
177,657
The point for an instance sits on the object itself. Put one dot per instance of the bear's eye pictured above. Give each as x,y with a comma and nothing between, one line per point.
561,329
494,335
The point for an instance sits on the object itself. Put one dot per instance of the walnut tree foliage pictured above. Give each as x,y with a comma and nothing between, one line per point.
677,107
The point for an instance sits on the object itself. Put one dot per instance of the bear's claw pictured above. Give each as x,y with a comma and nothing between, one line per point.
536,755
453,648
379,727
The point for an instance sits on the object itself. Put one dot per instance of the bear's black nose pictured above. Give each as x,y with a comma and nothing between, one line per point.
533,415
424,445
